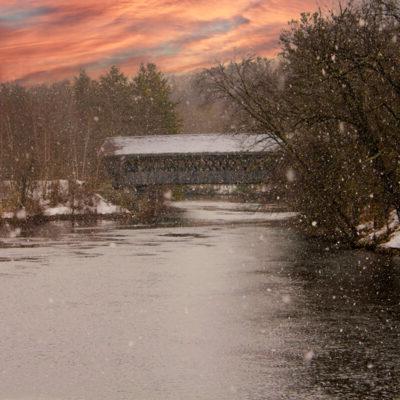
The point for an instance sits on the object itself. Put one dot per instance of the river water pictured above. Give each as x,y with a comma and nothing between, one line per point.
221,301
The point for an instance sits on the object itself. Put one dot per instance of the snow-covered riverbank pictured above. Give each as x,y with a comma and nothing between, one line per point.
386,238
56,199
93,205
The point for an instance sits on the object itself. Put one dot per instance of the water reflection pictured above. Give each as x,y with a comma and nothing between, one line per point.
220,301
352,304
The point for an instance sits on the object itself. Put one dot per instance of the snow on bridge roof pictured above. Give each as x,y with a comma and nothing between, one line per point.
187,144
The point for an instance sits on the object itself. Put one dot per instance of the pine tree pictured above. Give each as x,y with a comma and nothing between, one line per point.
155,111
115,103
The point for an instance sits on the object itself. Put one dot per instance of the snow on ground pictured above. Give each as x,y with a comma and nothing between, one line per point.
96,204
7,215
59,210
105,207
93,205
369,236
394,241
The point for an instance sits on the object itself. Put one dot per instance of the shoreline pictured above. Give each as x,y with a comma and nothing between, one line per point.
367,242
293,223
39,219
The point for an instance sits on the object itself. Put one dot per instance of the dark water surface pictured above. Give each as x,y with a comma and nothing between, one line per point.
229,305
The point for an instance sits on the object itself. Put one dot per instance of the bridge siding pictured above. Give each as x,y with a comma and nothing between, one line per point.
189,170
189,178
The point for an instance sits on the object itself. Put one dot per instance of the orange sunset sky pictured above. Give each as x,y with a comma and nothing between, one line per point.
47,40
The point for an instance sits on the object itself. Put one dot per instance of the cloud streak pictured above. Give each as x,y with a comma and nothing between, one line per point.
46,40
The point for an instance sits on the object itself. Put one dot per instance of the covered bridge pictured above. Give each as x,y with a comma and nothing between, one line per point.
137,161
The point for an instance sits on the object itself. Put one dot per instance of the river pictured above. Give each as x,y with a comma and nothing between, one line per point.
221,301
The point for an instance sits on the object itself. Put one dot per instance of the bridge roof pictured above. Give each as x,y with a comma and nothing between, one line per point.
187,144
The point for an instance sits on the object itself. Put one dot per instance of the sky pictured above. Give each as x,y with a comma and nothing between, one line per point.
49,40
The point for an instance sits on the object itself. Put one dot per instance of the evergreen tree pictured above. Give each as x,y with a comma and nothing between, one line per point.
155,111
115,103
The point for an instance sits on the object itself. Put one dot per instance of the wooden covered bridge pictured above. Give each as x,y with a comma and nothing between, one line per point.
187,159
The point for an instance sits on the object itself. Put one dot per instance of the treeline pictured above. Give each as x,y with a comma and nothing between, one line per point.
331,101
51,132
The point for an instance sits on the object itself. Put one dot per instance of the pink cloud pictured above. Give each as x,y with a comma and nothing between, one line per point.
46,40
